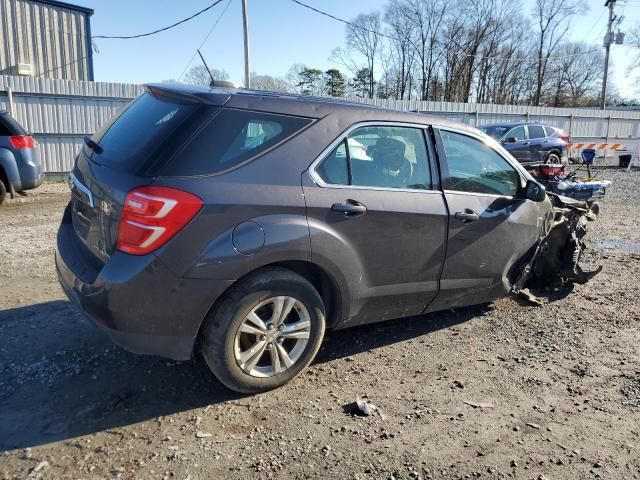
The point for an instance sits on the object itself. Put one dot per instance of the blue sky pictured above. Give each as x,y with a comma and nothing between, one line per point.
282,33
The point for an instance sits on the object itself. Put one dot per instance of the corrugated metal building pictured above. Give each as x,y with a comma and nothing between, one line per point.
46,39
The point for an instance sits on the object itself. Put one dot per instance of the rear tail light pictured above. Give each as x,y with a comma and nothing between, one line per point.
153,215
563,136
551,171
22,141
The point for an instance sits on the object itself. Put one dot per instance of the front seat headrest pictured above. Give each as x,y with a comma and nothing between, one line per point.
390,153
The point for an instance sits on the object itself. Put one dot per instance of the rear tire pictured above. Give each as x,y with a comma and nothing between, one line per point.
3,192
245,321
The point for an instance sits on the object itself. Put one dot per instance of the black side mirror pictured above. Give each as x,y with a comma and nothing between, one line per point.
534,191
510,140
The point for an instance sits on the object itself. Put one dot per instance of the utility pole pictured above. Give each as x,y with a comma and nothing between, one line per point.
245,21
608,39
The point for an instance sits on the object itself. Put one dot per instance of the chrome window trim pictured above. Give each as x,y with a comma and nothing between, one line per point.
377,123
493,145
492,195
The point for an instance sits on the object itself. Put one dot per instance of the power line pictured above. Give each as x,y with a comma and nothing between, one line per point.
205,39
125,37
62,66
509,59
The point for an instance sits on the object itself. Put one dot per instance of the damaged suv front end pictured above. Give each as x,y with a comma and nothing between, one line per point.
560,248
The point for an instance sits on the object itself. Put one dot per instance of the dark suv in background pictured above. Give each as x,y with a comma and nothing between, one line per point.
244,223
20,168
531,142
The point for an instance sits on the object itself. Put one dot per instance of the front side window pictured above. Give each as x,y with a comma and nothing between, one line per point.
476,168
517,133
380,156
536,131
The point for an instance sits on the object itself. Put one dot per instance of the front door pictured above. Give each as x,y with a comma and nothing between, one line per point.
517,144
371,208
491,226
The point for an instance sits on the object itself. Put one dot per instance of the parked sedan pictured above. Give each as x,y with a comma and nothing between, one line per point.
531,142
244,224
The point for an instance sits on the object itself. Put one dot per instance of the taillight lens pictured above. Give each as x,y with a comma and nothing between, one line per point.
563,136
153,215
548,171
22,141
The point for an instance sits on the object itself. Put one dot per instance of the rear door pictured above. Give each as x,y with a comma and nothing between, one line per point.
490,226
373,207
538,142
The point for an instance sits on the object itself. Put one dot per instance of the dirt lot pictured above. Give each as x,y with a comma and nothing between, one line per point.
503,391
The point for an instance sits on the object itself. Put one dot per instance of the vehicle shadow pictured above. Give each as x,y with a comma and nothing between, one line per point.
61,378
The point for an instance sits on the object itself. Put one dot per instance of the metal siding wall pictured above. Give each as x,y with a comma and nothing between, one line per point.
52,39
61,112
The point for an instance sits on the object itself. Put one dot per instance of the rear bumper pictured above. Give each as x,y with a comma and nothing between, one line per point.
136,301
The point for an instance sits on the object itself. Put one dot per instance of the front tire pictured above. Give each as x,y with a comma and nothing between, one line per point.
3,192
264,332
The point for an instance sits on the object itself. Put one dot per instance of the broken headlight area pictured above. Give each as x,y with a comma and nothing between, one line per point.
557,254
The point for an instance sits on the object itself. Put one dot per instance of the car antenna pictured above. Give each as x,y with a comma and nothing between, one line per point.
207,67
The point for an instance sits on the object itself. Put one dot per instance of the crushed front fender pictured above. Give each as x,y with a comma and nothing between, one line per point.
557,255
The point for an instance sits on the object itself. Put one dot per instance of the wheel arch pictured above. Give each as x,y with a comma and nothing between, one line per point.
324,283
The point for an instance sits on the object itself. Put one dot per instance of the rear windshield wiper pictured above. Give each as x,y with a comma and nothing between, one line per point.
93,145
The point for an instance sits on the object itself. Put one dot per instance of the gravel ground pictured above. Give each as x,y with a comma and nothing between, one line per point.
501,391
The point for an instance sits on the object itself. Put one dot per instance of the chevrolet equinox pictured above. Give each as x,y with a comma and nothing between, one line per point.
243,224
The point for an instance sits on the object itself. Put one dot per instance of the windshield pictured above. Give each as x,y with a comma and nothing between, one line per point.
495,131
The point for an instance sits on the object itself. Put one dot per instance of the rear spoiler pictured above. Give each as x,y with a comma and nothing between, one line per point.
189,94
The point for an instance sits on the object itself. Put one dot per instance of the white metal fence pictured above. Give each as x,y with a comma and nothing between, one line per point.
60,113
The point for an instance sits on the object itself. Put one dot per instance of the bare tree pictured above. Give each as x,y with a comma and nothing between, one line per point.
397,62
270,83
363,36
552,17
294,77
198,75
428,39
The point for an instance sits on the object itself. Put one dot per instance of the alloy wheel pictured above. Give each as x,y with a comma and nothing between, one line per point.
272,337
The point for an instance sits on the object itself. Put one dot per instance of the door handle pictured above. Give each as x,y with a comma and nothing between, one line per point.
350,208
525,143
467,216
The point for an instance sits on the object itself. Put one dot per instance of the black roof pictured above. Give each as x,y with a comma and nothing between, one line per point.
70,6
302,105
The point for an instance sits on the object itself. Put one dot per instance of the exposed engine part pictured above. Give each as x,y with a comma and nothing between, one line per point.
557,255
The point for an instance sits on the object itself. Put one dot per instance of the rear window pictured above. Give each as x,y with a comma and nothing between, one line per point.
231,138
9,127
536,131
130,139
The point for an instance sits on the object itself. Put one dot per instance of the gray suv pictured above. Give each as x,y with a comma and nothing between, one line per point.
20,167
243,224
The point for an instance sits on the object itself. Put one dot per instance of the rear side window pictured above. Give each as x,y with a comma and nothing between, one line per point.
231,138
549,130
536,131
147,124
